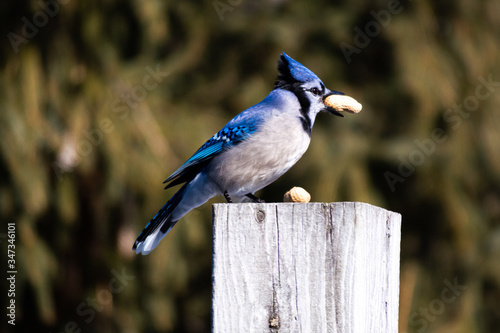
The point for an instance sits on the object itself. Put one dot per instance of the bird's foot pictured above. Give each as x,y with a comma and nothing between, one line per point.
228,198
254,198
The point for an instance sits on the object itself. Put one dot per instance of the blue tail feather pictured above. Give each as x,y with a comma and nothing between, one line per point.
162,218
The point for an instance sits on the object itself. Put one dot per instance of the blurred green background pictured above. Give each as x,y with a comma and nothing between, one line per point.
101,100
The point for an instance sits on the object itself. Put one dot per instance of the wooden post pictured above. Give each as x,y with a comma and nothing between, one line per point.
295,267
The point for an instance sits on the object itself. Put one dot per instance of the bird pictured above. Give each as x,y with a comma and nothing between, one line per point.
250,152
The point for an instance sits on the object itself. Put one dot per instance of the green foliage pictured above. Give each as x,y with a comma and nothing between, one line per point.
101,101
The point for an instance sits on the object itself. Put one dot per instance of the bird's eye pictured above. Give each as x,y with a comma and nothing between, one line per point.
315,91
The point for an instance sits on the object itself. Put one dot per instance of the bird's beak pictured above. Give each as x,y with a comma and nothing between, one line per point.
329,108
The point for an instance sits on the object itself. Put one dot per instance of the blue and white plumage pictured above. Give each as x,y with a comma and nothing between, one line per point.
253,150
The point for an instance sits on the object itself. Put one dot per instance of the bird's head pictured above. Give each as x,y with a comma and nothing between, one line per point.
307,87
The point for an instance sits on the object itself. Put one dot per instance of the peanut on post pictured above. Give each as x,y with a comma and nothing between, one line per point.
343,103
297,194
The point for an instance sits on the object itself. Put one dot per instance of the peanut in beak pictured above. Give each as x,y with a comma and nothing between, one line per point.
343,103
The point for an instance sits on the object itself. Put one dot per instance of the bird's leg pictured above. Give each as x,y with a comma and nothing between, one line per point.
228,198
254,198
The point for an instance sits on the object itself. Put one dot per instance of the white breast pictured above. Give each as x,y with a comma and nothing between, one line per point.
263,158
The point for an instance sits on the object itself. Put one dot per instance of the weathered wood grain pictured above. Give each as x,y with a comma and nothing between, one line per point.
315,267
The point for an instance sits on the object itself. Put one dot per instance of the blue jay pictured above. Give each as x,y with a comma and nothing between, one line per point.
253,150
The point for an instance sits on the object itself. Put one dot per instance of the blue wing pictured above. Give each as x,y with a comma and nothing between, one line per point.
223,140
235,131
